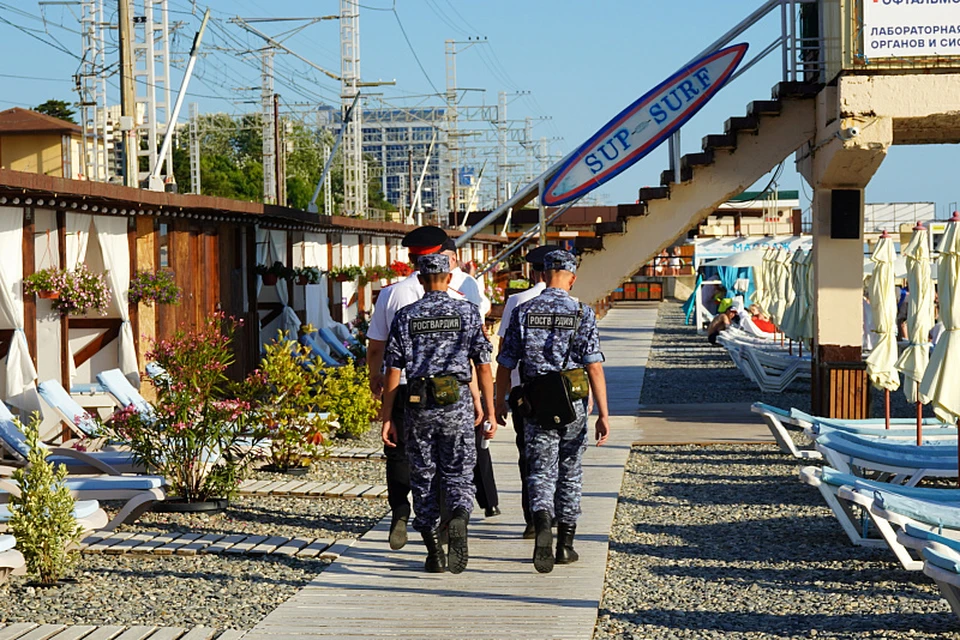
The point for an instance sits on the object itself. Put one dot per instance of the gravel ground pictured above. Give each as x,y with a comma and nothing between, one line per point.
683,368
724,542
216,591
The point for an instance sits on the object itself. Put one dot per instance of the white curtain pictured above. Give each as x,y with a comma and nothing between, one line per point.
20,390
289,321
115,247
318,305
78,235
262,250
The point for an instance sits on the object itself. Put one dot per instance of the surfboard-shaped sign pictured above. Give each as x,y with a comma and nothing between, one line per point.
641,127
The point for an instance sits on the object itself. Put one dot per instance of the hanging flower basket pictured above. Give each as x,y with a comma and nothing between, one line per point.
269,279
272,274
160,287
308,275
76,291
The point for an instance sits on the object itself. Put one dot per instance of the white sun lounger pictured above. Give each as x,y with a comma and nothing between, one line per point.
777,420
77,462
11,560
889,461
942,564
87,513
122,392
68,410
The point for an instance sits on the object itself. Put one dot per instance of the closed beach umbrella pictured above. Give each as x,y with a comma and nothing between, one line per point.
914,359
806,320
782,288
883,305
762,277
793,315
940,385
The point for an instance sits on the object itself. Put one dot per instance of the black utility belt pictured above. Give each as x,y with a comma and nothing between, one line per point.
548,399
443,389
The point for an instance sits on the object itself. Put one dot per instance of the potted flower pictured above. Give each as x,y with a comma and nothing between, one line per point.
196,436
401,269
288,402
275,272
77,291
308,275
346,274
46,283
159,287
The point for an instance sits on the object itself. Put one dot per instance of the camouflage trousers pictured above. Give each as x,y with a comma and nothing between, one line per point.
442,451
554,463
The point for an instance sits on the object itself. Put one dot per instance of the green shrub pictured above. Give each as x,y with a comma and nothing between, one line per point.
42,515
348,397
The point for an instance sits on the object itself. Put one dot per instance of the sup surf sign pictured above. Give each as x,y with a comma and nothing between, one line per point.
641,127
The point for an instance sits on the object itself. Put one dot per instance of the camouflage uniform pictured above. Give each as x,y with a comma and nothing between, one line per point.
553,456
434,336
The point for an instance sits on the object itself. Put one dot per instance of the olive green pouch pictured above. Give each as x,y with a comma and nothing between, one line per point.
446,389
577,383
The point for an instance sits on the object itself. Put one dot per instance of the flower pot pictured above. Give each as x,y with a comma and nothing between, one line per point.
343,278
269,279
48,295
290,471
179,505
302,280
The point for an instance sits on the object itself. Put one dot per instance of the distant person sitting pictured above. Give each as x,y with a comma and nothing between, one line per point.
720,323
761,319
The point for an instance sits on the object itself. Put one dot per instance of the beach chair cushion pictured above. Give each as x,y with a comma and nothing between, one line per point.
82,509
126,394
923,534
335,344
7,542
114,483
57,397
310,340
942,559
836,478
918,457
13,439
946,515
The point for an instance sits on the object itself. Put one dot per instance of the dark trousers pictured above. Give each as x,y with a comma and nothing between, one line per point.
524,469
483,478
398,467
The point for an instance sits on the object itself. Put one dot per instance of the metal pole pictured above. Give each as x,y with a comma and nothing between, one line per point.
128,96
181,95
543,216
281,181
511,248
312,207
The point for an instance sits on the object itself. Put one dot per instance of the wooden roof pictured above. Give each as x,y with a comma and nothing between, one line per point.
22,121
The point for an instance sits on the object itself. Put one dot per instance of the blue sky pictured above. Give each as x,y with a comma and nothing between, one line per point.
581,63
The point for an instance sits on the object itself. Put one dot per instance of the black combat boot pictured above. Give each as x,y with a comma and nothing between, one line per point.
565,552
458,540
543,545
529,531
436,559
398,532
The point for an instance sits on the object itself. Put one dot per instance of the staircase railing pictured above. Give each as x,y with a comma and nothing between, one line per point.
801,47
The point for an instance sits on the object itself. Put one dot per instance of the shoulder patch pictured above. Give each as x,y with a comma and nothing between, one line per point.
438,324
551,321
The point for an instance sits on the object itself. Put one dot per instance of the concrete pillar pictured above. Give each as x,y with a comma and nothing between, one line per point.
845,157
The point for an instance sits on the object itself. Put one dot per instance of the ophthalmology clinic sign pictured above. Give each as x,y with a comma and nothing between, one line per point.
911,28
642,126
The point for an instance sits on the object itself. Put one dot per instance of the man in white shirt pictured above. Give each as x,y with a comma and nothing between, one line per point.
462,283
535,258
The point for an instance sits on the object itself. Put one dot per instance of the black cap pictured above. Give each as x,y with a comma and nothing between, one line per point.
425,238
535,256
449,245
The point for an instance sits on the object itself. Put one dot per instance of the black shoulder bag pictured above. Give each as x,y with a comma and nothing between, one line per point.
549,394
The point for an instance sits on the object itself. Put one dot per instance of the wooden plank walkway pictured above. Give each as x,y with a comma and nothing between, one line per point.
312,489
31,631
371,591
191,544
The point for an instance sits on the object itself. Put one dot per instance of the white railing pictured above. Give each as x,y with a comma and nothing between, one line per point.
801,56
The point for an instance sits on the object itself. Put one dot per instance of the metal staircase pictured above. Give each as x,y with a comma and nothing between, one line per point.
728,164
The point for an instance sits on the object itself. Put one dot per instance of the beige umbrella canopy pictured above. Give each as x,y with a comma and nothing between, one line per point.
806,319
941,381
920,319
883,304
761,276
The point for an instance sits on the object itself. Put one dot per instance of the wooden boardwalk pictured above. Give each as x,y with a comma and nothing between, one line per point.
31,631
371,591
